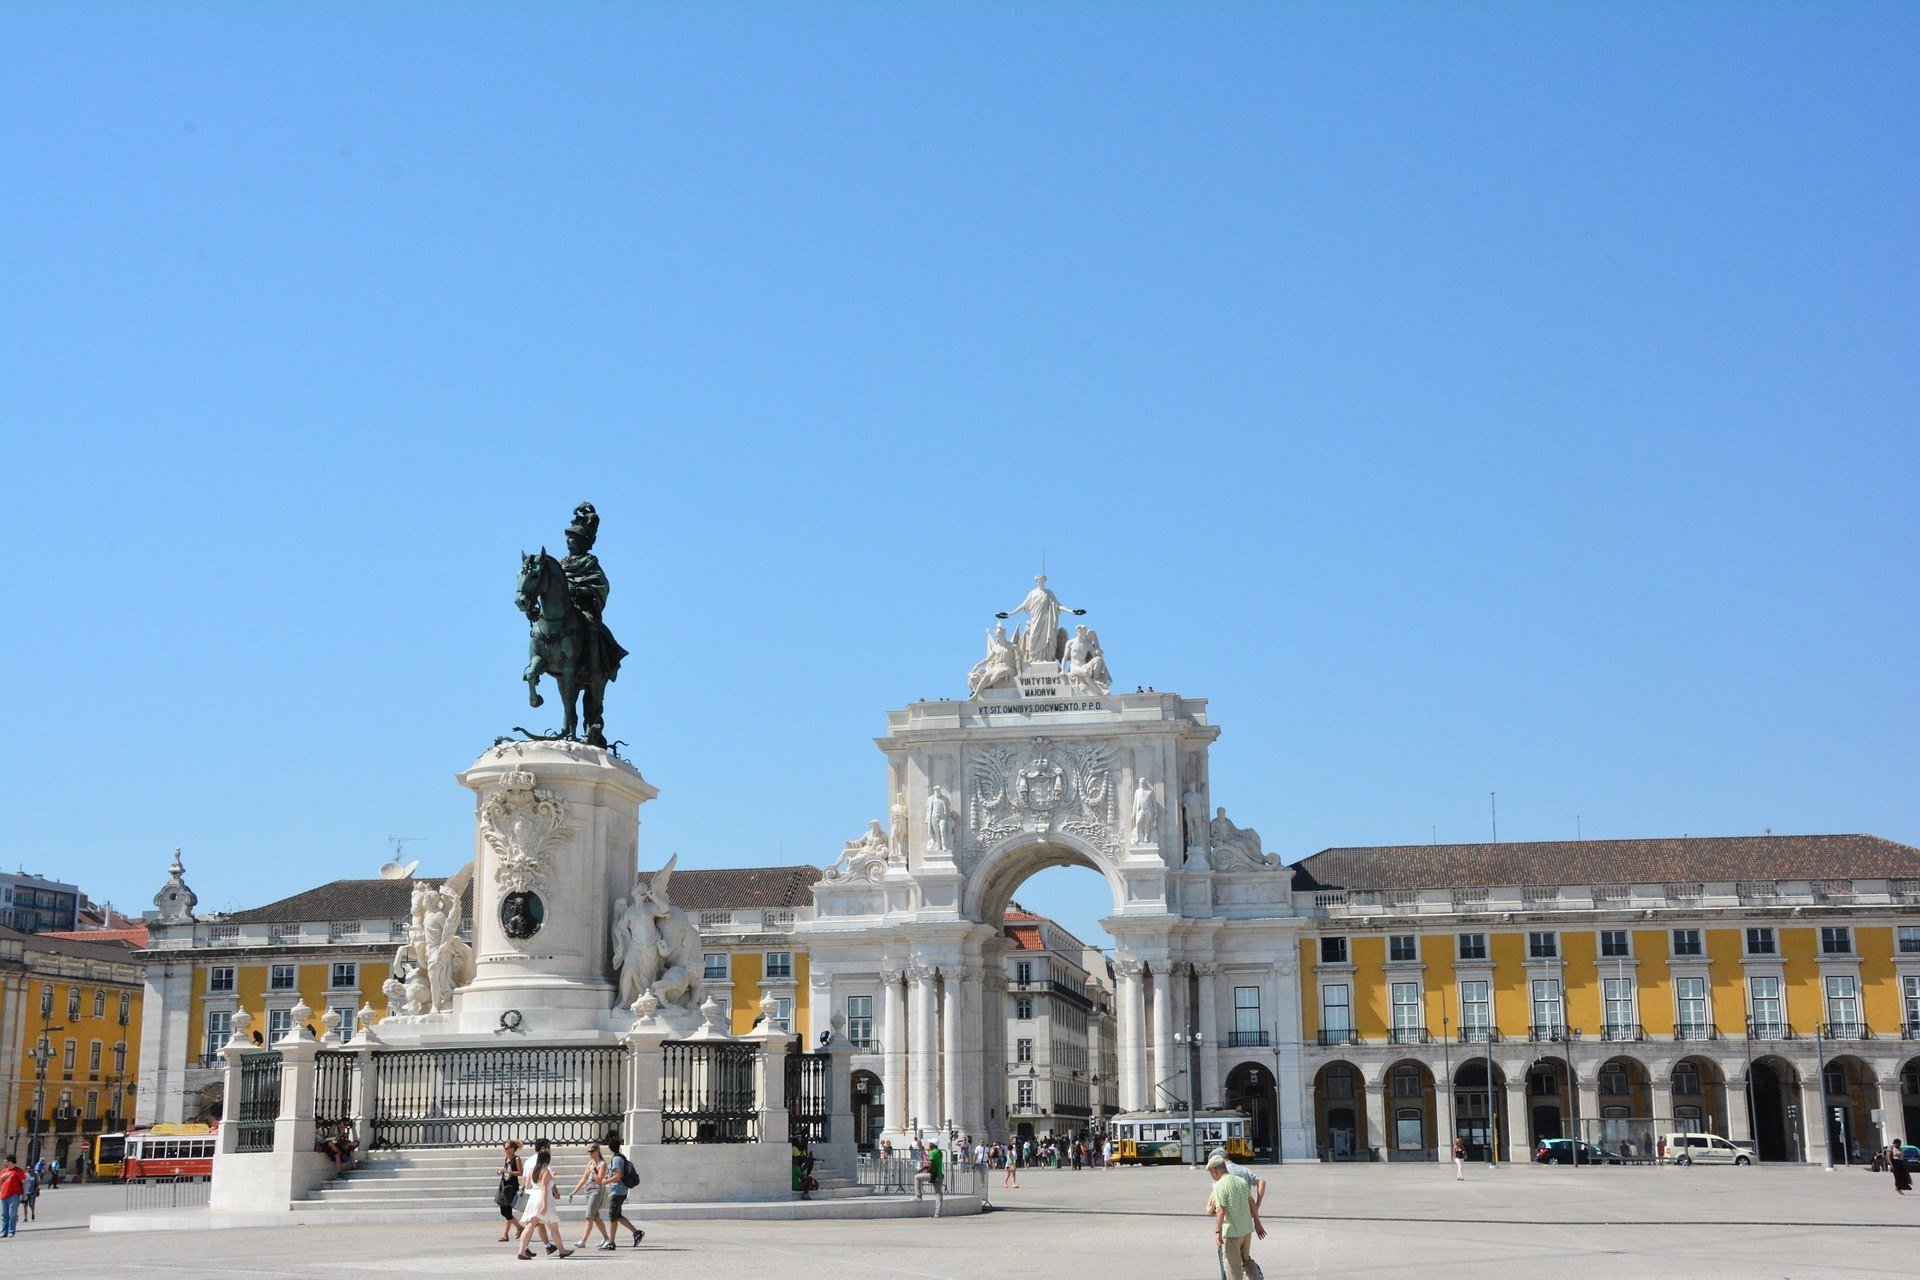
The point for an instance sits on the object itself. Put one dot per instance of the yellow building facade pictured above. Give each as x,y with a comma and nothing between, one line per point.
70,1016
1766,989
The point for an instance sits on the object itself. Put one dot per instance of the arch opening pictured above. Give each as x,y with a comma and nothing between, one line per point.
1480,1108
1773,1089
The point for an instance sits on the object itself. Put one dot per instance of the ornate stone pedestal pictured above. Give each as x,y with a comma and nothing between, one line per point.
556,843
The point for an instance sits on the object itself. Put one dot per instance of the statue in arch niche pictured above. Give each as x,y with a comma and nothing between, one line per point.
656,948
1146,813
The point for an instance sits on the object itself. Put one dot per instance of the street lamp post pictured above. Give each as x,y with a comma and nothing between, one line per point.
1191,1041
42,1054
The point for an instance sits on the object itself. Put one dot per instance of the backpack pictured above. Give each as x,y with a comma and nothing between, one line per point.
629,1176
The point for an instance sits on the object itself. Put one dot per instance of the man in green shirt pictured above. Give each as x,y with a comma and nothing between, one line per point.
931,1174
1236,1222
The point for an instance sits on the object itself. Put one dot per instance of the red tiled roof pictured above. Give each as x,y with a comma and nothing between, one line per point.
722,887
1026,937
1687,859
135,934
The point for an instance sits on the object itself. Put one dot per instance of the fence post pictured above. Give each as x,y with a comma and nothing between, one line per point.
360,1105
232,1051
841,1154
293,1131
770,1073
644,1069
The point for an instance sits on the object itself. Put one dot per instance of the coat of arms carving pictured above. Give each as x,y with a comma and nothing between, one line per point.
523,824
1043,786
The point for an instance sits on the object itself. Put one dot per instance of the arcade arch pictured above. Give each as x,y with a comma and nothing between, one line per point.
1853,1092
1480,1107
1773,1089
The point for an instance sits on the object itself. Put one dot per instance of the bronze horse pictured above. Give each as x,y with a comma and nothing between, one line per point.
557,646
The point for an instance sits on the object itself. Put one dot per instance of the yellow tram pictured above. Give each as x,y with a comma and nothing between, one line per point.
1163,1137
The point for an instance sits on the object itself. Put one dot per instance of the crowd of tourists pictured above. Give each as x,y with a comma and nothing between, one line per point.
529,1196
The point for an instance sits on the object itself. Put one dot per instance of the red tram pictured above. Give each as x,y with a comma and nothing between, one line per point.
169,1152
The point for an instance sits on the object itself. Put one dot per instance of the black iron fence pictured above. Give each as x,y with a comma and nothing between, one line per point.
336,1072
169,1193
259,1100
482,1097
707,1092
808,1097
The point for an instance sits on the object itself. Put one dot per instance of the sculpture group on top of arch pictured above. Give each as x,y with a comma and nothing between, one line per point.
1042,640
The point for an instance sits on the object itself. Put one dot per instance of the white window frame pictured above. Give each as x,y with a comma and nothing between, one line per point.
292,972
1682,986
352,969
279,1022
1766,931
219,1031
860,1019
1626,939
1023,1092
1778,1000
1543,944
1484,991
1906,934
1545,994
1842,991
217,975
779,964
1344,1006
1023,1049
1480,945
1413,948
1246,1016
1840,933
709,971
1619,1002
1405,1005
1694,938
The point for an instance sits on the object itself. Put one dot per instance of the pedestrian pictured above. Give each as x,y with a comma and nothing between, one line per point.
594,1179
13,1185
621,1177
541,1215
1011,1178
507,1194
931,1175
30,1203
1256,1185
1459,1158
1897,1161
1236,1222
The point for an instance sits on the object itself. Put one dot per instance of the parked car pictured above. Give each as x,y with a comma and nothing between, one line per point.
1700,1148
1561,1151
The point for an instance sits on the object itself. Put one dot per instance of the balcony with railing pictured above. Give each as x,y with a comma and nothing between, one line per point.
1910,1031
1478,1035
1330,1036
1769,1029
1845,1031
1410,1035
1695,1031
1544,1032
1247,1039
1622,1031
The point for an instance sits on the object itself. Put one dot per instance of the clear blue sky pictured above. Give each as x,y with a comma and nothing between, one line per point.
1489,398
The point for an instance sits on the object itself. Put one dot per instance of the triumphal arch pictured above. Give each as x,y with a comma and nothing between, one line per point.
1044,763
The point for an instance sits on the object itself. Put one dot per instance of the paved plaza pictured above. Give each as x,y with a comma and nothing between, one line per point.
1344,1221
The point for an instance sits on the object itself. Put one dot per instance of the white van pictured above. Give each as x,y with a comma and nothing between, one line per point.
1699,1148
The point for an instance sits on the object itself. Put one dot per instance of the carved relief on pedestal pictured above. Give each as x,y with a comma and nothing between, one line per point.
524,825
1044,786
